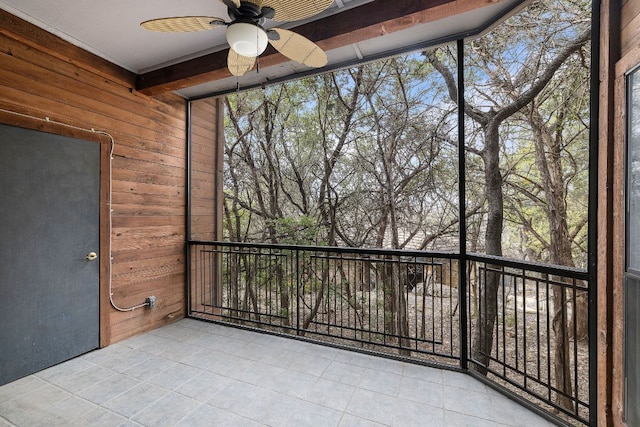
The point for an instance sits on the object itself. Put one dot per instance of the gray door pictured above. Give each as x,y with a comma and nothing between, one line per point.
49,223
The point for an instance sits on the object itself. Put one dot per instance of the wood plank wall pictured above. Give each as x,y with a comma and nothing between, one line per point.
625,56
629,26
207,128
207,197
43,76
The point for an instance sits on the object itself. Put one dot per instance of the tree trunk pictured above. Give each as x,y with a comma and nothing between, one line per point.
561,352
319,299
482,337
579,326
400,296
250,267
389,300
548,159
234,282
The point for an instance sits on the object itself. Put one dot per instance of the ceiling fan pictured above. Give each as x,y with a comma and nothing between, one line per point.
245,33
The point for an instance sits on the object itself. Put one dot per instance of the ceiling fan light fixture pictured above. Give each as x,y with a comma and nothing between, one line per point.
247,39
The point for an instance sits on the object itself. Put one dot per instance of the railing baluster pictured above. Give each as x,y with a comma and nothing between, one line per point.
548,337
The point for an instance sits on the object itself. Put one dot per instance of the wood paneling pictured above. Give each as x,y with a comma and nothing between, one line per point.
45,77
611,227
206,169
630,26
32,37
606,254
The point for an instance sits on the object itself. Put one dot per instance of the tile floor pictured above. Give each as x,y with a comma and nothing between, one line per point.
193,373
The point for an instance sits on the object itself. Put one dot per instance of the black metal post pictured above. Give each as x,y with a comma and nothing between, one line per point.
188,214
592,260
462,260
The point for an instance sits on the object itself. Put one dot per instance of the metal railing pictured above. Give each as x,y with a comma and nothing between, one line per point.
539,345
522,321
378,300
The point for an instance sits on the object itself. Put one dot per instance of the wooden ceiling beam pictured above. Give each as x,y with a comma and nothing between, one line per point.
364,22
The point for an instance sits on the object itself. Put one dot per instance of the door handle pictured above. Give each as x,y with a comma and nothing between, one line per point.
92,256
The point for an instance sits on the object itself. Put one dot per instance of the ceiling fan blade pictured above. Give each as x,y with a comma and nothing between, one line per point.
180,24
294,10
239,65
258,3
231,3
299,48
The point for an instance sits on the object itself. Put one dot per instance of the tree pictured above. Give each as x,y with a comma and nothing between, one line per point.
509,68
361,165
367,156
502,59
553,137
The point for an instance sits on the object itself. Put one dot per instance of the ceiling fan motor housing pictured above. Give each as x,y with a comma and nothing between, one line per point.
251,13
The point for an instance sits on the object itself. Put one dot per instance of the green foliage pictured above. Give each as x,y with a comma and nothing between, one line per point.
302,230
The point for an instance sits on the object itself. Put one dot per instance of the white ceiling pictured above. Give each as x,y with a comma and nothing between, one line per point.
111,30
